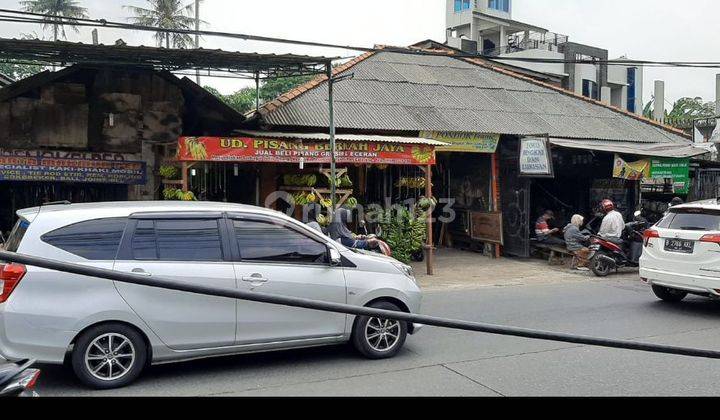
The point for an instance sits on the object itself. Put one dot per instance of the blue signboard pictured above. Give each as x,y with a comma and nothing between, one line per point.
55,166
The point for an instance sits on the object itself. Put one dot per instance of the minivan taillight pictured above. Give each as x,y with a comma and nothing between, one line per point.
10,276
649,234
712,238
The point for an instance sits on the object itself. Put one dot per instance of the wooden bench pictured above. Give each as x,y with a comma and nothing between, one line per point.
557,254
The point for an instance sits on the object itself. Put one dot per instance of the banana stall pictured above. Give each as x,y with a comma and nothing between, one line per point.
291,172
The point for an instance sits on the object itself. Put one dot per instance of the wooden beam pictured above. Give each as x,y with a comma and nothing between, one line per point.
495,181
429,247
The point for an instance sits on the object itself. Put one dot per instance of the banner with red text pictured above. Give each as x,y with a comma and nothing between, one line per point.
244,149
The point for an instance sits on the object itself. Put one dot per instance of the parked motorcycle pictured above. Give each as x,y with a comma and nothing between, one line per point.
608,255
18,380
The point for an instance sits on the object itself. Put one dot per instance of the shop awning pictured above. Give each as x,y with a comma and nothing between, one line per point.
667,150
273,147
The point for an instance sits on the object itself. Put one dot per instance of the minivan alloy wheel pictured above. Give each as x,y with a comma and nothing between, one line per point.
110,357
382,334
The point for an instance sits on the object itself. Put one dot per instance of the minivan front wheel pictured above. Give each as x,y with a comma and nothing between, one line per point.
109,356
377,338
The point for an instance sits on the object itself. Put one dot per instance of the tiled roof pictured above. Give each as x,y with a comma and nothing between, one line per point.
396,91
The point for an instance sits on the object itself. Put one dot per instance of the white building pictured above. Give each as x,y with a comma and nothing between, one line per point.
486,27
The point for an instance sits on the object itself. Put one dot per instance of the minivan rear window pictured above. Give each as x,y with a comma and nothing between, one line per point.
96,240
16,235
701,220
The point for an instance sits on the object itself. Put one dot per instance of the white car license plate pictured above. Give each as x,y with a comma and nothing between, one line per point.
680,246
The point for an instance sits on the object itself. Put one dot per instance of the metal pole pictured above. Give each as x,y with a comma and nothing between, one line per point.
203,289
331,110
197,35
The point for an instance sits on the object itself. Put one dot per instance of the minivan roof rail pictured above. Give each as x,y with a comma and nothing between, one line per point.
56,203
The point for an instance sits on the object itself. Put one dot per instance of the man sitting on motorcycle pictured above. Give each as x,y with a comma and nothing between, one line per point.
339,232
613,224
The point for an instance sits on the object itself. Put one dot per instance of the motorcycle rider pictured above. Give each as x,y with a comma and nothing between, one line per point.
339,232
613,224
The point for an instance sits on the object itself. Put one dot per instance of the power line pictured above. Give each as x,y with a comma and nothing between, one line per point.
8,15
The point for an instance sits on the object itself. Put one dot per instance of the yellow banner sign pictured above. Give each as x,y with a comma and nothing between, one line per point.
464,142
632,171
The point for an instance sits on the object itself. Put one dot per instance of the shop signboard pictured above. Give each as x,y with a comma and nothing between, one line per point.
486,227
244,149
633,171
671,171
535,158
464,142
68,166
664,175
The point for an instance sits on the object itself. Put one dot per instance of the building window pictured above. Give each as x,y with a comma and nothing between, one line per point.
462,5
590,89
632,89
501,5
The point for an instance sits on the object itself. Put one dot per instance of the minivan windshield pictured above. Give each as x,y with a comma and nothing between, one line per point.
702,220
16,235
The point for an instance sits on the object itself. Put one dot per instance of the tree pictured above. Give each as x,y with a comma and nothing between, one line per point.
19,71
244,100
167,14
60,10
684,109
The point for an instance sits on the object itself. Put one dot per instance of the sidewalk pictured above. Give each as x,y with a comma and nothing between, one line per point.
455,269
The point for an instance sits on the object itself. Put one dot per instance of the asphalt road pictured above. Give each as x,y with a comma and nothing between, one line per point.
439,362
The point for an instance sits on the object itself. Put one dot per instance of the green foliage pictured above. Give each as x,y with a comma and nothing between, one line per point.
405,231
19,71
58,8
244,99
167,14
684,109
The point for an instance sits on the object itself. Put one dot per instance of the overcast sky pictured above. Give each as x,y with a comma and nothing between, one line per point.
658,30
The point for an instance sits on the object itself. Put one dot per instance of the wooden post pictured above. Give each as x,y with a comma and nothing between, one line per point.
185,178
430,246
495,181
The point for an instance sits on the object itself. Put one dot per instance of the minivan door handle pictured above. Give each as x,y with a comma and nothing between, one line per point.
255,278
141,272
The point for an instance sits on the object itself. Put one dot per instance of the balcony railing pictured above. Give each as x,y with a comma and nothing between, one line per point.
536,41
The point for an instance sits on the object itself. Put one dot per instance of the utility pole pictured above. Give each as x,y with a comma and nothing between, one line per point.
197,35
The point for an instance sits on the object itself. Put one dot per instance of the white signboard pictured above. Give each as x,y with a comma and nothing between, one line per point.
535,157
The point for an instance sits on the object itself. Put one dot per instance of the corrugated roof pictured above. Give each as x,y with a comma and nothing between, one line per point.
63,53
342,137
413,92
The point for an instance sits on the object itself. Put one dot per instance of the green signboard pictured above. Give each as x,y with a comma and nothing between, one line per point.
675,171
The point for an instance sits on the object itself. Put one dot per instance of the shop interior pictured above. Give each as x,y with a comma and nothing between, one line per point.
21,195
582,180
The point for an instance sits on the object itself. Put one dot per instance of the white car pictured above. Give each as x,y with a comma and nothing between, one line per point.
109,331
682,252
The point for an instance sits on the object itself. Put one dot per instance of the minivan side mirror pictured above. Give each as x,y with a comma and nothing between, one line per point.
335,257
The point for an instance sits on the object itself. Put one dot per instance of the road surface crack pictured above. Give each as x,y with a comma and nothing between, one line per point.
473,380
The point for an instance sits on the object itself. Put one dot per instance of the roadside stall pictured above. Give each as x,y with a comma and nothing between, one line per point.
291,172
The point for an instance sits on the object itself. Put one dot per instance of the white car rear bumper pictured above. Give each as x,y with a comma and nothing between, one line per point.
690,283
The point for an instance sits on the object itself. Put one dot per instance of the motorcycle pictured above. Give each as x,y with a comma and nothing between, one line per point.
382,246
18,380
607,255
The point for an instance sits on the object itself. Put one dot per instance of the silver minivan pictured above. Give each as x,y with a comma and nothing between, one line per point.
109,331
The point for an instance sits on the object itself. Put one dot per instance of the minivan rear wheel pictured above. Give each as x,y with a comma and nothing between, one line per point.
669,295
109,356
377,338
